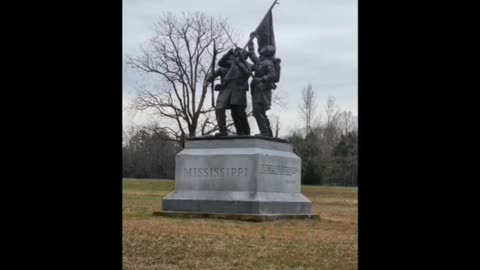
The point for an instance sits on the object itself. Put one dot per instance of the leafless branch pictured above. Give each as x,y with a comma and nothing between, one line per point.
179,55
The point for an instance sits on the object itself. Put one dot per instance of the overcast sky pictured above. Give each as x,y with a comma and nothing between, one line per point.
316,40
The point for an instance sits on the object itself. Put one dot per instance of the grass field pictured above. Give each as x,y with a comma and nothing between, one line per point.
151,242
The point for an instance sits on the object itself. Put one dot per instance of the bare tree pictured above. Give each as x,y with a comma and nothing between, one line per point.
331,131
331,112
180,56
346,119
328,158
149,152
276,125
308,107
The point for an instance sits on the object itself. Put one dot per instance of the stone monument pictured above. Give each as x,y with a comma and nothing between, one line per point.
253,178
247,175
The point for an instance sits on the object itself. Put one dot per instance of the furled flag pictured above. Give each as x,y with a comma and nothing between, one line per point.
265,35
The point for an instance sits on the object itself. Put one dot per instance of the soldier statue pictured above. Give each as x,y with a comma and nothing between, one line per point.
267,73
234,73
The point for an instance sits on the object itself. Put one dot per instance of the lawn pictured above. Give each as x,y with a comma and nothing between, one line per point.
152,242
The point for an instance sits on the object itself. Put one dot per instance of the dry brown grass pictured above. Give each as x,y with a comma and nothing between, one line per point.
174,243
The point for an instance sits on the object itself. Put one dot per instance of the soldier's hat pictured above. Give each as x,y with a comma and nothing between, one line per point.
244,52
268,50
223,61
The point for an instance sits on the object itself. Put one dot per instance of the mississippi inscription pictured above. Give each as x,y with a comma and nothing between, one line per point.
214,172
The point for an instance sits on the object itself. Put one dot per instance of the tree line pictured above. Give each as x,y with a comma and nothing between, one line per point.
327,143
148,152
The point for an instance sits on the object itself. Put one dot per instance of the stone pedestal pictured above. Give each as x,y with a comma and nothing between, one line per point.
238,175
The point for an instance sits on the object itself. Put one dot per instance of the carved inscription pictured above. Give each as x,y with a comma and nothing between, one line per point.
215,172
278,170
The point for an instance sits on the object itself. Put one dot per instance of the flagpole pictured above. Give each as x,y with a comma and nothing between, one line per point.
271,7
251,38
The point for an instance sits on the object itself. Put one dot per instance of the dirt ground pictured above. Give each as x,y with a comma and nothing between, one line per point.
152,242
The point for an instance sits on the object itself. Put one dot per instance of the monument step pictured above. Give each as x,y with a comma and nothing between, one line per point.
242,217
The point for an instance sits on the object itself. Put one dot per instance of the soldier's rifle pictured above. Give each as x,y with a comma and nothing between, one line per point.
213,73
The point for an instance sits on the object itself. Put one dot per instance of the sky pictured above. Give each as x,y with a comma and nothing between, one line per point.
316,40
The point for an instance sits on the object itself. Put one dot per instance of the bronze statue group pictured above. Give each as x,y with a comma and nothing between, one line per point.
234,72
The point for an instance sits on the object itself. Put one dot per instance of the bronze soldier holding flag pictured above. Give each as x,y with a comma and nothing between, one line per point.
267,71
262,84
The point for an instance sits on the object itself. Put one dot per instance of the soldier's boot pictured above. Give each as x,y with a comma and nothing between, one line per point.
237,121
260,118
269,128
245,124
222,122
